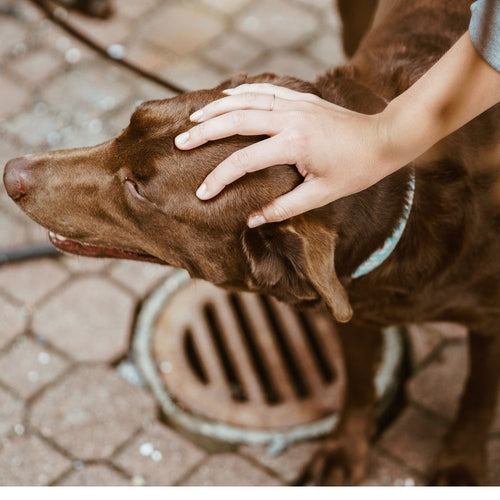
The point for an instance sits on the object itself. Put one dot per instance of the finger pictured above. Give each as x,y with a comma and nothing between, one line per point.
251,100
304,197
269,88
258,156
241,122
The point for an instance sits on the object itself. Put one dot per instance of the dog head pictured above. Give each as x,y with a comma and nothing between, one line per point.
134,197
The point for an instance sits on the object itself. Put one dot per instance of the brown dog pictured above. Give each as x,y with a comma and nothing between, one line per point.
133,197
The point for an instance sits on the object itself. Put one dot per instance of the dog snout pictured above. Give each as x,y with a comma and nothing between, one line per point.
16,178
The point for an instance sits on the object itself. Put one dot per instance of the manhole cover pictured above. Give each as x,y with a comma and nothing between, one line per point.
244,367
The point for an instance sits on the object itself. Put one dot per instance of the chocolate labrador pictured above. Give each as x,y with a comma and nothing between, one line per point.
133,197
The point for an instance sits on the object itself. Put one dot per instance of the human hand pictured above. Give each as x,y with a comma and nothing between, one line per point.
337,151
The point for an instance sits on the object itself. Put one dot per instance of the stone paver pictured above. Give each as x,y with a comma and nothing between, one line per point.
230,470
11,412
414,438
12,35
289,464
438,386
138,276
270,20
35,67
227,6
57,93
424,342
12,321
85,265
28,461
18,96
450,331
91,412
28,366
287,63
12,231
188,28
327,49
97,89
94,475
233,52
160,456
385,471
32,281
91,320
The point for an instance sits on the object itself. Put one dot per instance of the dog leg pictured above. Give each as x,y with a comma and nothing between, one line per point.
356,18
342,459
462,460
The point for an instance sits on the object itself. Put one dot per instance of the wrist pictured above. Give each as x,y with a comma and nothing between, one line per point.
406,131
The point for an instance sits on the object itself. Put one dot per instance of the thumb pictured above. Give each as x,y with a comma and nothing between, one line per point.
304,197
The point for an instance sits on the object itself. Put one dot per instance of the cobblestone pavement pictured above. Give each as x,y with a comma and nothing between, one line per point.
69,414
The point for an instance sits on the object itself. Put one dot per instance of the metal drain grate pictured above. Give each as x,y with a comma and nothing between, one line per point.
240,366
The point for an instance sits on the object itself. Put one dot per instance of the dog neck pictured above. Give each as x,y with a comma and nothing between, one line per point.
382,253
371,223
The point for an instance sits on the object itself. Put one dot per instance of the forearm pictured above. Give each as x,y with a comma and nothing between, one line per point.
459,87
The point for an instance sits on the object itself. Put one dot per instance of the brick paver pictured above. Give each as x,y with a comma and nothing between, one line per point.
230,470
439,385
424,342
288,464
384,470
270,20
91,320
12,321
28,366
28,461
30,282
91,412
11,412
138,276
414,439
94,475
189,29
160,456
60,411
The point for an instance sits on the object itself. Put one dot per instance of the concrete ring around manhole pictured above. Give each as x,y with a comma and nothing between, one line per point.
245,368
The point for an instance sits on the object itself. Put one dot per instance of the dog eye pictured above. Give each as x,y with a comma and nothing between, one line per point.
132,187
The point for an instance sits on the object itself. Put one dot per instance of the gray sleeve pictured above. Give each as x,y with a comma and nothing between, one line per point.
484,30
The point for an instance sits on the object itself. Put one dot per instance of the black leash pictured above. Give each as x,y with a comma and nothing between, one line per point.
28,252
51,13
36,251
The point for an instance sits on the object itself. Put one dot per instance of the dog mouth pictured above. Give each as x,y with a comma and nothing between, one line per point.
88,250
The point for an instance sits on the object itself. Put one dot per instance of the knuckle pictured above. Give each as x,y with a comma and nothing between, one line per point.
296,139
201,131
276,212
237,118
240,160
249,98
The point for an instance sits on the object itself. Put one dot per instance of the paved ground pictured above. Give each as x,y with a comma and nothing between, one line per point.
69,410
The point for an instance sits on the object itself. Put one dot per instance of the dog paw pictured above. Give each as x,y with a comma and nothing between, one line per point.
337,463
457,472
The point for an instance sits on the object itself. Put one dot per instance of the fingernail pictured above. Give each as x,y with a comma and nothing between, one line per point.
182,139
256,220
202,191
228,91
196,115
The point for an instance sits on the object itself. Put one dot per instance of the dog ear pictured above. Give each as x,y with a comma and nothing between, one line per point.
295,262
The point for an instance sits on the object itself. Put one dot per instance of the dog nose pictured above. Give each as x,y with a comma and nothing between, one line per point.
16,178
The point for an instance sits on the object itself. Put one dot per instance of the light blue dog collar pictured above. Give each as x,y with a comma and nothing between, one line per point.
377,257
